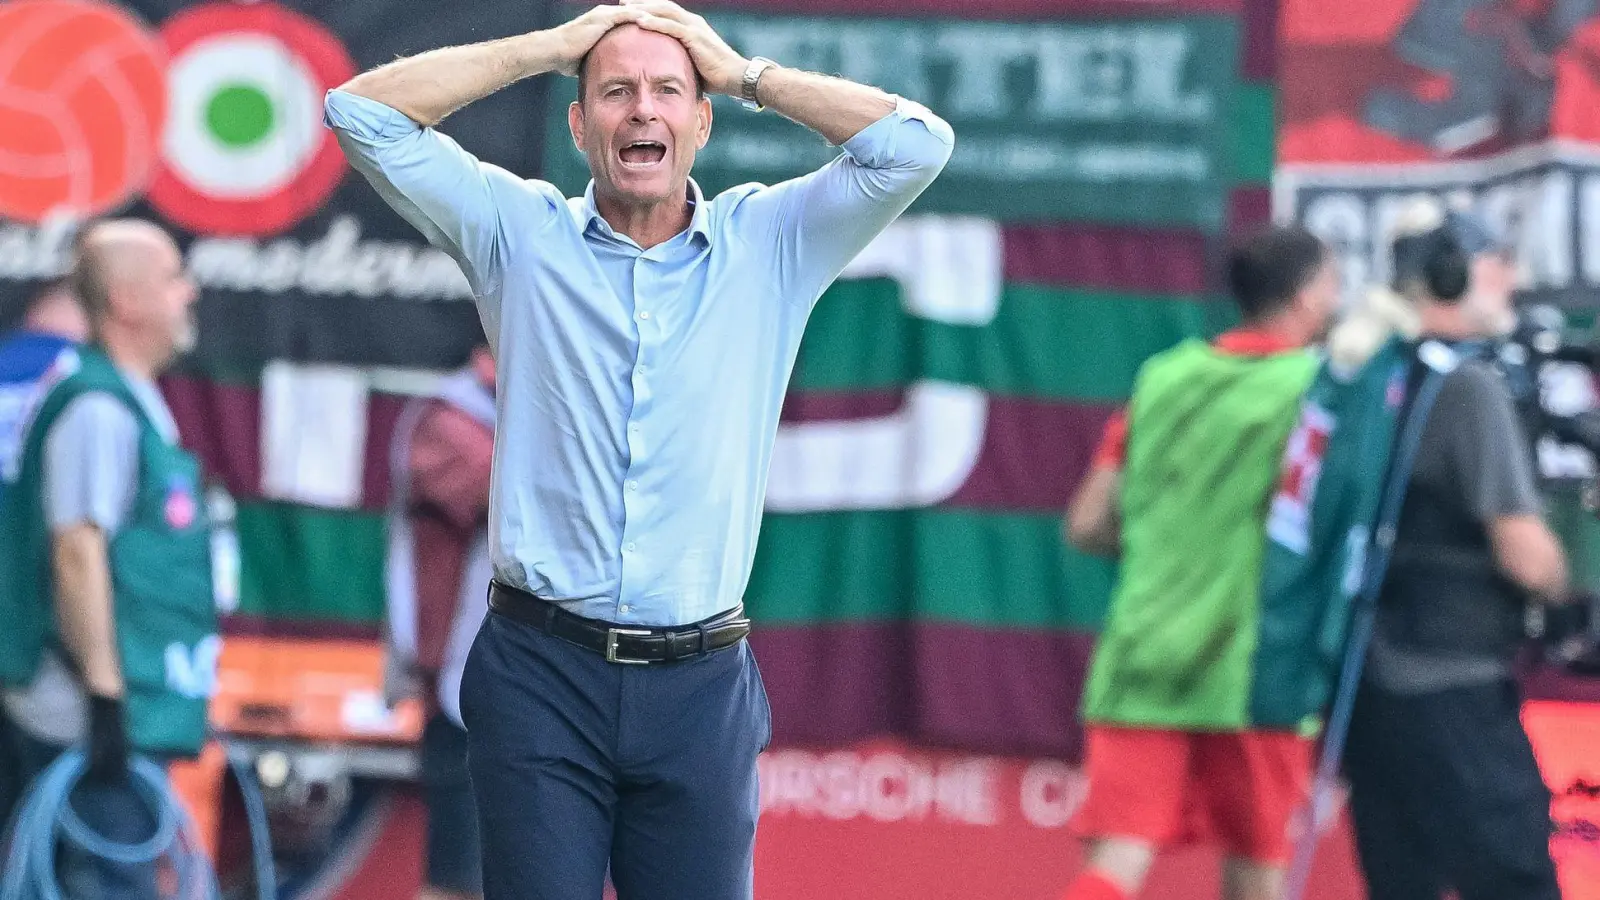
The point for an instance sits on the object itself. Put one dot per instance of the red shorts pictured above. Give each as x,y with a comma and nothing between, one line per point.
1240,790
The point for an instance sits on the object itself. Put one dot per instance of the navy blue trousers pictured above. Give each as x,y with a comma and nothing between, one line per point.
579,765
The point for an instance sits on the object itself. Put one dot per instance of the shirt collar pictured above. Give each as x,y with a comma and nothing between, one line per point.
699,219
1252,342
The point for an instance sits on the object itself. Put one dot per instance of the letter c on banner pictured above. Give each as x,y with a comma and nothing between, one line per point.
949,271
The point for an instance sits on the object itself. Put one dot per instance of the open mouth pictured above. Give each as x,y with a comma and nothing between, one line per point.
643,153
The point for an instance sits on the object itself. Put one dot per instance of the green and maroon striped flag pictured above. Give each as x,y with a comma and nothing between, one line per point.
911,577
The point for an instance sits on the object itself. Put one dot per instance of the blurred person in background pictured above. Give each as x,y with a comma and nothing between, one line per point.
32,358
106,586
1446,792
644,336
53,323
1179,489
438,574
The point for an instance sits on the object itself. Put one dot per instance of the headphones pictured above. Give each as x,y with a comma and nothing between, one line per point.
1442,258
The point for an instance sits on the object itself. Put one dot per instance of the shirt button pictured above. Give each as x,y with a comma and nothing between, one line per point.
633,485
630,546
639,371
626,608
645,314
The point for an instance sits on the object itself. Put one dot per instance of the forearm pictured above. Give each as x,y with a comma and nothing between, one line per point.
84,608
1530,555
430,86
833,107
1549,579
1093,524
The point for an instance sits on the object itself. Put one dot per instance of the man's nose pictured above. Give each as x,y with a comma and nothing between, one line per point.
644,108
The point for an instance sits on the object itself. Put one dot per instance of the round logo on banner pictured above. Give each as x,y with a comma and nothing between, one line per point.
244,151
81,103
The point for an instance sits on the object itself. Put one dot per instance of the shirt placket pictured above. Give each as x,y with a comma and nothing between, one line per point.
635,542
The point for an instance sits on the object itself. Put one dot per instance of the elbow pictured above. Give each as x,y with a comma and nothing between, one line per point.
926,150
934,153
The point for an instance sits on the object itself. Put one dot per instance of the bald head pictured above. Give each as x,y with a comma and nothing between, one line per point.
129,275
114,254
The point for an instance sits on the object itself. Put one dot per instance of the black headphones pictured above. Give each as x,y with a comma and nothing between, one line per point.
1442,258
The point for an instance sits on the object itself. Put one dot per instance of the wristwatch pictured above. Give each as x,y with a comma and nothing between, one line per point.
752,80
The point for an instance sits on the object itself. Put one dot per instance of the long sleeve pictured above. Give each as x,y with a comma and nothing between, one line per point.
818,222
460,204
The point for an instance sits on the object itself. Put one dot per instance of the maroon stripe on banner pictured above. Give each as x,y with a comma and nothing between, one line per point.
981,9
1249,207
818,406
1000,691
323,629
1034,454
1138,261
1258,57
220,423
1034,451
383,412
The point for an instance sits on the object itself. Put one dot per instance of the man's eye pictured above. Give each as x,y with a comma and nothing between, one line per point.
669,90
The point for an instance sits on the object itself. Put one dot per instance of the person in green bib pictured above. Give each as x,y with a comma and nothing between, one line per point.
106,588
1180,489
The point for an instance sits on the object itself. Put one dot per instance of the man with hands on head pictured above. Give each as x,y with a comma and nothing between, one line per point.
644,335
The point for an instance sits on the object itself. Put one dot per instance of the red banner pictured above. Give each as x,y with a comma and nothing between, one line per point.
1491,103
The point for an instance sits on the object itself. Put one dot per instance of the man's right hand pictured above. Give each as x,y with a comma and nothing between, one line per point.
580,35
430,86
108,741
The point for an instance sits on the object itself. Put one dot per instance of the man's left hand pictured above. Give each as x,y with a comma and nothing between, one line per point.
719,65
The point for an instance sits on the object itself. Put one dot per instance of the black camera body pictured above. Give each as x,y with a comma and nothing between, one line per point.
1527,359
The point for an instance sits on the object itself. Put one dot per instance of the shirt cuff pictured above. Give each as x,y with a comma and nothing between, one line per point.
365,118
875,144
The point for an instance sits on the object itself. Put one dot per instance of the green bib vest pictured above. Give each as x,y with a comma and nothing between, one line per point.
1206,433
161,576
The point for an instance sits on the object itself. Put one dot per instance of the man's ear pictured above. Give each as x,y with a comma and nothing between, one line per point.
703,130
575,123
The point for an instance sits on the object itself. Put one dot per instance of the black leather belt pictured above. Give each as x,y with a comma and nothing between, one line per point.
618,644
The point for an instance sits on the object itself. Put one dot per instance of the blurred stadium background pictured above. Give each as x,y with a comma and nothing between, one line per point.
949,394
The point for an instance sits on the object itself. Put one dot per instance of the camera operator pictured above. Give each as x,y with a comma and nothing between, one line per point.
1446,792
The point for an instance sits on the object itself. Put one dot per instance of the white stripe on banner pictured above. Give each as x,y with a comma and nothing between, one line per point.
313,434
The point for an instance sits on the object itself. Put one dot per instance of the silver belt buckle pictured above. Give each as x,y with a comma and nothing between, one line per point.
611,646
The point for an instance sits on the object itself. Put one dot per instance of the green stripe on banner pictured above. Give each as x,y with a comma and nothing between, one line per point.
1043,342
303,563
991,569
1252,135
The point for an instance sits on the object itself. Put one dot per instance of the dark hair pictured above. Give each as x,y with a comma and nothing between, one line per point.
1267,269
583,79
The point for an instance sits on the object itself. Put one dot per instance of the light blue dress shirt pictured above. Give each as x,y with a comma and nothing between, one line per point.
638,389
